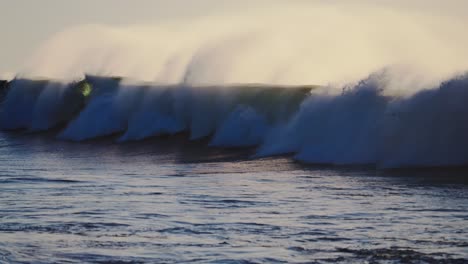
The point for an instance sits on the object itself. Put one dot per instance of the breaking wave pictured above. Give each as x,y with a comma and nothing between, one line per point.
366,123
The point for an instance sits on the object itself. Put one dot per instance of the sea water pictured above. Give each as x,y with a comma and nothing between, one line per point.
169,200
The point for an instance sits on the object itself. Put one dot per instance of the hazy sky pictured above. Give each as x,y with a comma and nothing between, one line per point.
26,24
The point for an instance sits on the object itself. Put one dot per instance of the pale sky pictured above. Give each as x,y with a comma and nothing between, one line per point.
26,24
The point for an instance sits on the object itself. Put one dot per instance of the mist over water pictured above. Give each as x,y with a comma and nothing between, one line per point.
291,43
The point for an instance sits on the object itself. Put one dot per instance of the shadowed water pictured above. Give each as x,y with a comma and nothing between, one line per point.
169,201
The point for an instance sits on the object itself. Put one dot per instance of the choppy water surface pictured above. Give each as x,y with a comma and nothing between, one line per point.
166,201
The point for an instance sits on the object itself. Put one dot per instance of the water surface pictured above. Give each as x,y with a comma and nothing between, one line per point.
169,201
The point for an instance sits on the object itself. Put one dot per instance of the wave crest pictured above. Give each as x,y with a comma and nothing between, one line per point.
367,123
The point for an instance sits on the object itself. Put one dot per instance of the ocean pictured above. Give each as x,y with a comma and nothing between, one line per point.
168,200
97,171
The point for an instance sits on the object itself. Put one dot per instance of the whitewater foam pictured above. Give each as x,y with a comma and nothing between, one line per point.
366,126
367,123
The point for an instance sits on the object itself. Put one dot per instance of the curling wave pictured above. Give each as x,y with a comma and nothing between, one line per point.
364,124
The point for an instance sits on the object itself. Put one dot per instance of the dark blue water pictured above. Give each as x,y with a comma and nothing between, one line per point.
169,201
